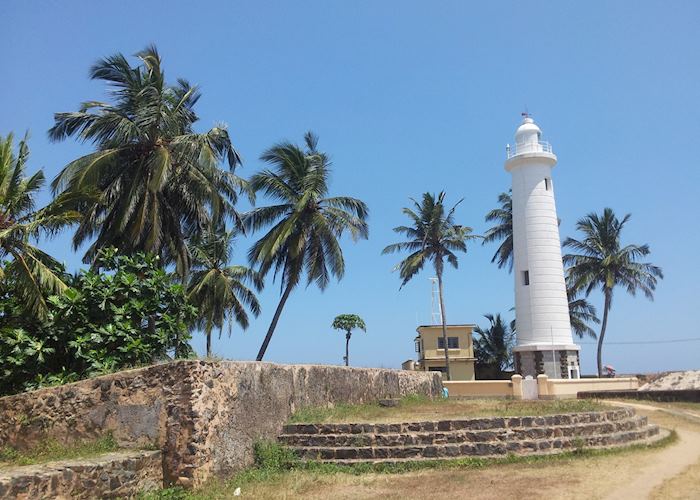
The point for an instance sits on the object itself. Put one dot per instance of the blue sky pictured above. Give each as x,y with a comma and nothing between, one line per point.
410,97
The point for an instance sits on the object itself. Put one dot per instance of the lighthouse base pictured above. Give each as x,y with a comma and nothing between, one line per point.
555,361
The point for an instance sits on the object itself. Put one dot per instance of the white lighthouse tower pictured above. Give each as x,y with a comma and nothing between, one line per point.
544,344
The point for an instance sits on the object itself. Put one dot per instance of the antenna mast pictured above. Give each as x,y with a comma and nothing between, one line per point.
435,311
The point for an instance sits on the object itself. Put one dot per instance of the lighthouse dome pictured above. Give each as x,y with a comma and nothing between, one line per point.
528,131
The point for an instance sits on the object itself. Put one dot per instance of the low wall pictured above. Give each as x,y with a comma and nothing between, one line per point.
670,396
480,388
546,388
570,388
204,416
115,475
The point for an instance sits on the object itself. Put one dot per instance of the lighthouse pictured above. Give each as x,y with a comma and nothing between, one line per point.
544,344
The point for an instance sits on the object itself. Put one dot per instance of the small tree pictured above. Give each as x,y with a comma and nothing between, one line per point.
348,323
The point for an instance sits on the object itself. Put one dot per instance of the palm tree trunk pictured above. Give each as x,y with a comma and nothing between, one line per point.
207,331
347,349
273,325
604,325
444,324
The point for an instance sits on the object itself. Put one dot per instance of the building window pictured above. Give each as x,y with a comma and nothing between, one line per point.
547,183
452,343
417,345
526,278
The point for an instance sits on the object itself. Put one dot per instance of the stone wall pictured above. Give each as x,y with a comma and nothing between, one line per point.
115,475
204,416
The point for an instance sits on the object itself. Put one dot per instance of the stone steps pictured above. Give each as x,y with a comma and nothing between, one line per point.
476,437
459,436
655,435
483,423
483,449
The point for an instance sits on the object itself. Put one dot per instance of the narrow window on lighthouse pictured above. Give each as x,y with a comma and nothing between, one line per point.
547,183
526,277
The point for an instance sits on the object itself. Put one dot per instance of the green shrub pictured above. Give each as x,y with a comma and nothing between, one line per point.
126,311
272,456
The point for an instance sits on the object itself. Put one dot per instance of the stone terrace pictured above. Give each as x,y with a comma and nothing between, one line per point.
476,437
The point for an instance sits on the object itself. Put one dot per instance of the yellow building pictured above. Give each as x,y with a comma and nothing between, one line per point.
431,351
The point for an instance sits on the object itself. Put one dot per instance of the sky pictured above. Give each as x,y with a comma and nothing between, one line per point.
409,97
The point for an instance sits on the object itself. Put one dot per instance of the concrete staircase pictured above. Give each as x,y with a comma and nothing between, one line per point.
474,437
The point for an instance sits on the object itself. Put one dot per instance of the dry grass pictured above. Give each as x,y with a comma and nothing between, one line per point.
414,409
573,478
570,477
684,486
51,450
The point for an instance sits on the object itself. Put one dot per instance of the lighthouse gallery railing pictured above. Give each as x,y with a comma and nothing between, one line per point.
528,147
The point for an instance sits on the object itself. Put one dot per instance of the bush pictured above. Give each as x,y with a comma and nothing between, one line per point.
124,312
272,456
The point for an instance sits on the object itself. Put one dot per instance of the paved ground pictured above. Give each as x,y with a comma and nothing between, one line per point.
670,462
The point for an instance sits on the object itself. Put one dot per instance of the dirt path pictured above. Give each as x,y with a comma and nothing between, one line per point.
668,463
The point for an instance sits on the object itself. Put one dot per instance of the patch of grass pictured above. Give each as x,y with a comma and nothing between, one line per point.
51,450
414,408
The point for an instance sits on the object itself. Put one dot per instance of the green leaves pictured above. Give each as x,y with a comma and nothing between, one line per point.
349,322
306,224
221,291
493,346
158,182
502,231
602,262
34,274
433,236
125,313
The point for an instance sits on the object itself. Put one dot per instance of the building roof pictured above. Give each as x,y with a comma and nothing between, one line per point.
440,326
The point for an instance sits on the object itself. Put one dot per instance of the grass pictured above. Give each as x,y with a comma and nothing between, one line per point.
51,450
676,405
277,466
415,408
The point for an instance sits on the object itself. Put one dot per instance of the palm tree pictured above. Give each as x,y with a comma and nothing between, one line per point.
306,224
158,180
602,262
581,312
432,236
348,323
34,273
493,347
219,290
502,231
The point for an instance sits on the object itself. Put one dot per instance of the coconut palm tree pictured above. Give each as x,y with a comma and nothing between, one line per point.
348,323
493,347
306,223
502,231
602,262
158,180
433,237
34,273
581,312
219,290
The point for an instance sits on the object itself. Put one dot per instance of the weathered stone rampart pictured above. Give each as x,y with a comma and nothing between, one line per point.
114,475
204,416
